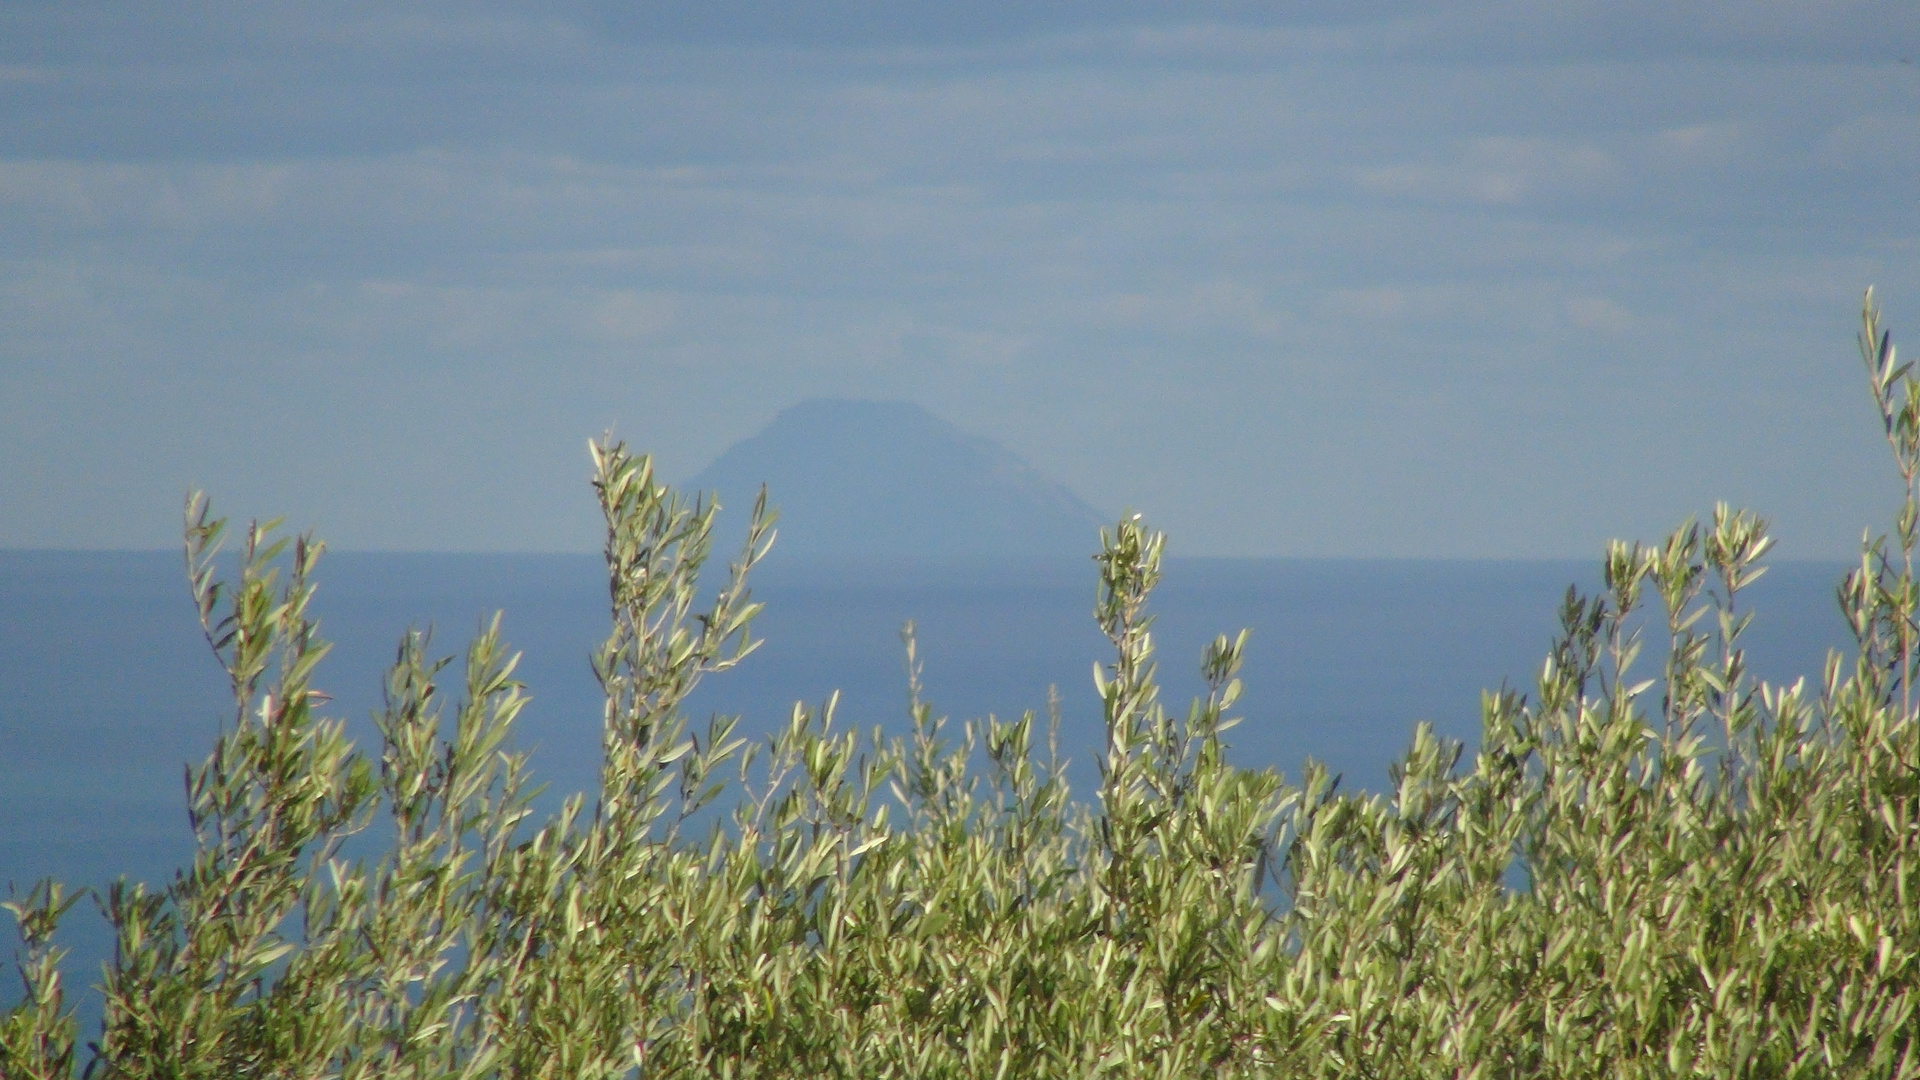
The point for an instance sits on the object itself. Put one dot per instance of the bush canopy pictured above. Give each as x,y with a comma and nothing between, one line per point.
1649,867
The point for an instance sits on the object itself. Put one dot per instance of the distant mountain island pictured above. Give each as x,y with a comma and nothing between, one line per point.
889,480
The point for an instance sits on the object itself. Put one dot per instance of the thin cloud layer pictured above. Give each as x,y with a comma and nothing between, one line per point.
1389,280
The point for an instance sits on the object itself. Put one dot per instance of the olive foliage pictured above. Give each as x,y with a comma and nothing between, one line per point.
1651,866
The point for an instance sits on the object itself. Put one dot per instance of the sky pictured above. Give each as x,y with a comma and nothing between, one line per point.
1442,279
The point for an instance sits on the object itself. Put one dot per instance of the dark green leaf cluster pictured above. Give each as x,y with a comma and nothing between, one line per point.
1683,874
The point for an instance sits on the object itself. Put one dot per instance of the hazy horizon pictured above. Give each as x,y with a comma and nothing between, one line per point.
1428,278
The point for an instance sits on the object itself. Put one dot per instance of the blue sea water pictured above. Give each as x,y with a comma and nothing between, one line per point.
108,690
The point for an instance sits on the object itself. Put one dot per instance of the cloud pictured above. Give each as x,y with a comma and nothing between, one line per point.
1599,313
102,196
628,315
1713,143
1498,170
1221,306
1874,141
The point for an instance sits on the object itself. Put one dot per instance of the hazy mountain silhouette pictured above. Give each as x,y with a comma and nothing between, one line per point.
890,480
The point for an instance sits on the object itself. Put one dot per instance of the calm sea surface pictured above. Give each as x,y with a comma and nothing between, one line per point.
107,689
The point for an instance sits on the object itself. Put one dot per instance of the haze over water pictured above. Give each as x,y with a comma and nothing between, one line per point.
110,690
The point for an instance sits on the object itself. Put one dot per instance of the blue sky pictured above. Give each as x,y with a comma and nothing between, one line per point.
1456,279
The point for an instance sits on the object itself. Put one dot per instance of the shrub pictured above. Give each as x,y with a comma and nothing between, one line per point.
1717,877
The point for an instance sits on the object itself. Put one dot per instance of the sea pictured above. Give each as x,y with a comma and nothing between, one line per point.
108,689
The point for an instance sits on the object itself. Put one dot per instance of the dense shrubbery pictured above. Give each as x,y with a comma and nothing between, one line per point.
1719,878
